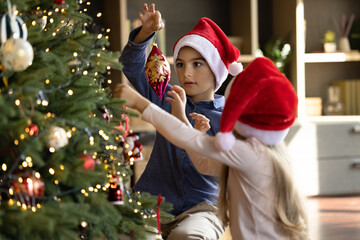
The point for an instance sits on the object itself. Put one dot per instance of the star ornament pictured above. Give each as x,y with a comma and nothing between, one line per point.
157,71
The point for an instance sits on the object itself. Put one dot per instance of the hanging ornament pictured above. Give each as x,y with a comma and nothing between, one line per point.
106,114
59,2
33,129
16,54
28,186
83,228
132,148
157,71
125,129
158,236
12,26
116,189
57,138
89,162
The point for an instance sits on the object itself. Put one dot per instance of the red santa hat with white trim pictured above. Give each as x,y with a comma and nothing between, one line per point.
260,103
211,42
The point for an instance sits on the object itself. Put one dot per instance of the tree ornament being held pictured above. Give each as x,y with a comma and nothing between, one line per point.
16,54
57,138
157,71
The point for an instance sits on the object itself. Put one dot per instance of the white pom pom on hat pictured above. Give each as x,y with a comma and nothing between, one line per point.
260,103
235,68
224,141
211,42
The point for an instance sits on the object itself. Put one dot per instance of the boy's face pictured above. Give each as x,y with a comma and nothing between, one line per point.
195,75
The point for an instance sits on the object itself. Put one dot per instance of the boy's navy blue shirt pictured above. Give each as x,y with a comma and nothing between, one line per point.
170,171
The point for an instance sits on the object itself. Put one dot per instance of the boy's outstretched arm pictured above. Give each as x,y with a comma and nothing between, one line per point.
151,22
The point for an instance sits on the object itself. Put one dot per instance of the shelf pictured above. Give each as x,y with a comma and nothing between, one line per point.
246,58
352,56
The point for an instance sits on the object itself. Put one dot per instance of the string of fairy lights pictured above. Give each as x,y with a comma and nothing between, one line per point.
47,20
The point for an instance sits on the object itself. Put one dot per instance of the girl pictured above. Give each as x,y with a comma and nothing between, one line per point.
260,107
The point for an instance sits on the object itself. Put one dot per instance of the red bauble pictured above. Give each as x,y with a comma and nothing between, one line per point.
59,2
157,71
89,162
116,189
27,184
33,129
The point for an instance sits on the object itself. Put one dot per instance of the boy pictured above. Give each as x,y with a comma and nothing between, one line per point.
203,58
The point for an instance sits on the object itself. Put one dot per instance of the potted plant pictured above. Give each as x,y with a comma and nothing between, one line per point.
329,41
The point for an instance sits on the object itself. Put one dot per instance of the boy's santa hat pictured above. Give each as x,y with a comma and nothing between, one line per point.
260,103
211,42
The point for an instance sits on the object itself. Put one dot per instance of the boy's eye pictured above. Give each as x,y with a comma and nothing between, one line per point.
179,64
197,64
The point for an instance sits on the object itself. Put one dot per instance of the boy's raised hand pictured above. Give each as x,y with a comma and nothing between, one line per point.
202,123
132,97
151,22
177,100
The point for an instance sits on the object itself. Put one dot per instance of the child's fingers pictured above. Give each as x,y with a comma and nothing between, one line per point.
158,22
180,91
145,7
170,100
199,116
174,95
152,7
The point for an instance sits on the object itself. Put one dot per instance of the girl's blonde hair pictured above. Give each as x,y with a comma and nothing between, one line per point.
290,209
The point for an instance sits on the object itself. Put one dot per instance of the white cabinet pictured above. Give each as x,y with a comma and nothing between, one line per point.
326,155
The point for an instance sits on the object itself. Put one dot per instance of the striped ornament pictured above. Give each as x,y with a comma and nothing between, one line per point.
18,30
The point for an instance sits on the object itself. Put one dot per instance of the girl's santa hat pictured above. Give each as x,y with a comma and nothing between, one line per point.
260,103
211,42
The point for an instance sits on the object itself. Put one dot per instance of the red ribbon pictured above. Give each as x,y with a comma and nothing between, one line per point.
158,213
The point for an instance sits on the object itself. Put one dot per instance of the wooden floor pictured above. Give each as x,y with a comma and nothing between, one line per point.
334,218
331,218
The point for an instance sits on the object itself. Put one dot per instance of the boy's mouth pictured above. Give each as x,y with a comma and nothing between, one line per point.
189,84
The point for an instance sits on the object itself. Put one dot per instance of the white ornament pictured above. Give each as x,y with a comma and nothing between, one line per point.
16,54
12,26
57,138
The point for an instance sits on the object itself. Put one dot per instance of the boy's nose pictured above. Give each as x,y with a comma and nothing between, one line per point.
188,71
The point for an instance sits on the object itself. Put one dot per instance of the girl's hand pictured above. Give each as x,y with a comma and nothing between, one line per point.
132,97
202,123
151,21
177,100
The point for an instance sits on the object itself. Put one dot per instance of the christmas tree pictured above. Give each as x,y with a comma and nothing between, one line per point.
62,136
